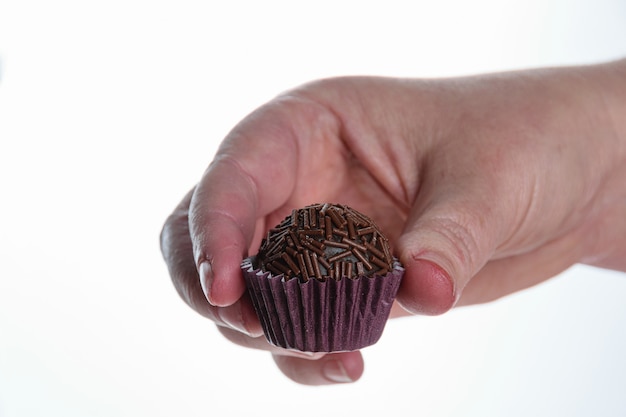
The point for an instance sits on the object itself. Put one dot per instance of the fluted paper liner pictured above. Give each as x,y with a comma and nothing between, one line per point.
322,316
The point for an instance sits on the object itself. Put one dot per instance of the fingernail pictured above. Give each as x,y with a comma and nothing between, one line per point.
335,372
206,279
309,355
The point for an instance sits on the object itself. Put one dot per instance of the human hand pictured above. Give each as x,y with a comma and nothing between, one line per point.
484,186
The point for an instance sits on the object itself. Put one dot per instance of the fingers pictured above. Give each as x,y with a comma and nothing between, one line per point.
457,248
305,367
178,256
252,175
222,218
236,188
501,277
176,249
330,369
441,251
453,230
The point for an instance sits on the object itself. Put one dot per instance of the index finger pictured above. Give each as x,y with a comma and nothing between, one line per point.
253,174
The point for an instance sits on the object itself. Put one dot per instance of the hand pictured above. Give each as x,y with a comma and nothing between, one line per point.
484,185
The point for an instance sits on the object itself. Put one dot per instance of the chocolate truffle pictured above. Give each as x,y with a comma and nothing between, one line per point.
325,241
324,280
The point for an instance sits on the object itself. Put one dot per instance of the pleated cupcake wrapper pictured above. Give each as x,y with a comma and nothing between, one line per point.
315,316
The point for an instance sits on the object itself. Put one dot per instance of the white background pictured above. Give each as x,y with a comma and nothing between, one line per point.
110,111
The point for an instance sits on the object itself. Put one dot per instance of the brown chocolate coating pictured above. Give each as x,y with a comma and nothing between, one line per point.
325,241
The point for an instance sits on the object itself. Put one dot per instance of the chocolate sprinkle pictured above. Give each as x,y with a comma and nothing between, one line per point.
325,241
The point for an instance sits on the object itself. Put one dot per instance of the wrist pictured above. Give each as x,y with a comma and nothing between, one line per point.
606,228
610,79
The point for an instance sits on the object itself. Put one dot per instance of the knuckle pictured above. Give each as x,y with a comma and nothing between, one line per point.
459,235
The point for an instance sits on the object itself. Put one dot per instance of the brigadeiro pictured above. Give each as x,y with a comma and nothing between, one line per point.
324,280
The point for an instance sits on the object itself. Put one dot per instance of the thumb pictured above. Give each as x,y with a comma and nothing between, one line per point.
446,241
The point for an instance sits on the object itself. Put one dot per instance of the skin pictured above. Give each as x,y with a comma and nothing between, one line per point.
484,185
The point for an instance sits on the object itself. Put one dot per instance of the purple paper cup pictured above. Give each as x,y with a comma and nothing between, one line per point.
322,316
